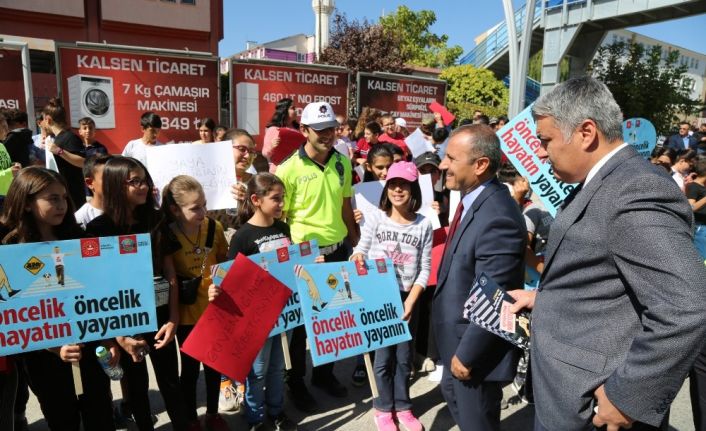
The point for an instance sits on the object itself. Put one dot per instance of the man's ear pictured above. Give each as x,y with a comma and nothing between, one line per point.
588,130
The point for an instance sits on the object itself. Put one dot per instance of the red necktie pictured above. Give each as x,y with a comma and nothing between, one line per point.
452,230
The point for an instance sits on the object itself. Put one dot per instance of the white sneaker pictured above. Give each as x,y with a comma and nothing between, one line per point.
435,376
428,366
227,399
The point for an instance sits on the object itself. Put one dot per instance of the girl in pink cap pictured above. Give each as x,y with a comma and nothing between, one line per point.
398,232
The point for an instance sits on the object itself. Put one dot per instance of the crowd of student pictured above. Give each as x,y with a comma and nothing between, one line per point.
311,190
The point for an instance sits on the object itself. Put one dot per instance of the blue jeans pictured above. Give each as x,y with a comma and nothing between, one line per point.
267,372
700,239
392,366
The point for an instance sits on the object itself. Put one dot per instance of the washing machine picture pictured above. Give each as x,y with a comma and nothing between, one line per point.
92,96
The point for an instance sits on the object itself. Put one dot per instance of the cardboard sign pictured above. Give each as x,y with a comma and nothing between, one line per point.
116,87
211,164
280,264
64,292
446,116
641,134
348,312
234,327
402,96
289,142
519,142
256,87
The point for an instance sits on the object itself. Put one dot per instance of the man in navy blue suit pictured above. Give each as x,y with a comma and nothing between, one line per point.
488,235
682,140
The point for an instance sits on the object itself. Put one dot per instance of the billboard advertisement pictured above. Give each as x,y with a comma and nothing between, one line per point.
256,87
12,88
403,96
115,87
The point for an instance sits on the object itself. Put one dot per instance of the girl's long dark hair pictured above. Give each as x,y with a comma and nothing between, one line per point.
281,115
259,185
377,150
23,190
115,174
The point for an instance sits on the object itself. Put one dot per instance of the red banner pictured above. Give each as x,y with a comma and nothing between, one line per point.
257,87
116,87
234,327
404,97
12,89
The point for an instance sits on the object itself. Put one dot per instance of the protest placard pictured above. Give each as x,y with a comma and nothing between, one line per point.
280,264
65,292
519,142
211,164
641,134
367,198
446,116
350,309
234,327
417,143
289,142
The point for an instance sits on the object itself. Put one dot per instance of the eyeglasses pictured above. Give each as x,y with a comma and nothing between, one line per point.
136,182
244,149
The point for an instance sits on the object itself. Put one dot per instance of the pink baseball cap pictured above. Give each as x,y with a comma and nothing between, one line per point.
405,170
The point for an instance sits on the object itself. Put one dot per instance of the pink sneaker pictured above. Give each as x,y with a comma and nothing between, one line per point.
384,421
408,422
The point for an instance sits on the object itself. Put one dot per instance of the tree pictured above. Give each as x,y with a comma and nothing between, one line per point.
361,46
645,83
471,88
419,46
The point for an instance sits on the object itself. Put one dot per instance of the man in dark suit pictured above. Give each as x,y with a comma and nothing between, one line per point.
619,316
487,235
682,140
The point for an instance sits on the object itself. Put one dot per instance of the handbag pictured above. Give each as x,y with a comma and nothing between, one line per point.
161,291
189,287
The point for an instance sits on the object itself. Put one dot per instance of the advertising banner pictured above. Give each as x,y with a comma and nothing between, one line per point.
64,292
116,87
256,87
280,264
350,308
12,89
403,96
519,142
211,164
234,327
641,134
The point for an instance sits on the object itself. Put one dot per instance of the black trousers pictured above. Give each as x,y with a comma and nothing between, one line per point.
297,346
165,366
697,390
51,380
8,389
190,376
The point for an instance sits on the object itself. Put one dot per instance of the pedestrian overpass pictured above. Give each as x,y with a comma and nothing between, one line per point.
574,29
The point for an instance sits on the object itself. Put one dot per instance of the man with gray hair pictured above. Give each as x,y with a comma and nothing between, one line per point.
487,235
619,315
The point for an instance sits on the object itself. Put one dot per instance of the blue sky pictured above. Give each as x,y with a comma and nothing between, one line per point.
462,20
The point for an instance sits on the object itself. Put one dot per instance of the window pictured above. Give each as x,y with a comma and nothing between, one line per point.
191,2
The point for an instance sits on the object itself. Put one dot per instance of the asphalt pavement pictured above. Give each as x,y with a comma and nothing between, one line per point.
354,412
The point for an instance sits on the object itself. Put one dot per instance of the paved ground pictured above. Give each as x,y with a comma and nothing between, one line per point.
354,413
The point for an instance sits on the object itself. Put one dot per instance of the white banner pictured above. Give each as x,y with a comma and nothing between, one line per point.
211,164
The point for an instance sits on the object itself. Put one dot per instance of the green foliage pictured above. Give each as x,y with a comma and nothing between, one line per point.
534,69
471,88
419,46
644,83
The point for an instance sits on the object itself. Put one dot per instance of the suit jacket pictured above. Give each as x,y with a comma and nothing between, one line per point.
491,238
677,142
621,299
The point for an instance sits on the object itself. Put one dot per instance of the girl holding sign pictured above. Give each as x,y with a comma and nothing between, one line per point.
129,208
397,232
38,208
202,244
261,230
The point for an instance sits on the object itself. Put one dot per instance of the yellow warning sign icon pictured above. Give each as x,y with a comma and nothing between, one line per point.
34,265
